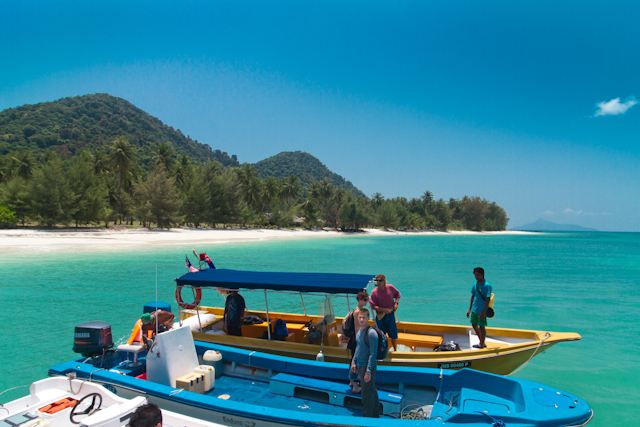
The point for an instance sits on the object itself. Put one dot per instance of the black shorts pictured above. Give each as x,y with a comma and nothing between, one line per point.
234,330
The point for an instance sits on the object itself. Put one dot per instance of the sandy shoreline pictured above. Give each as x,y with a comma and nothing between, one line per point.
70,239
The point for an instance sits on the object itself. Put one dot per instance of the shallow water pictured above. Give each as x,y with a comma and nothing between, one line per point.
578,282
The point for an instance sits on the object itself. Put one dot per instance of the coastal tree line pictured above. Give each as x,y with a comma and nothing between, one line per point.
107,187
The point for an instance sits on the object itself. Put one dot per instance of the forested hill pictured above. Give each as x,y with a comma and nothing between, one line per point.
304,166
71,125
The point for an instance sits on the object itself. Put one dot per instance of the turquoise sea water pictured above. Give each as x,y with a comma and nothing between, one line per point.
579,282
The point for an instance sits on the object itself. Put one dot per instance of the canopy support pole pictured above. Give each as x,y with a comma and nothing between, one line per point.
193,290
303,307
179,311
266,305
348,305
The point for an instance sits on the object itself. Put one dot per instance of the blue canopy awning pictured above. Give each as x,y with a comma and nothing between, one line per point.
329,283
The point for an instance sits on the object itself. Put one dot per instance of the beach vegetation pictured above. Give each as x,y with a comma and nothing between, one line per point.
104,187
52,199
16,196
159,200
8,217
89,189
387,216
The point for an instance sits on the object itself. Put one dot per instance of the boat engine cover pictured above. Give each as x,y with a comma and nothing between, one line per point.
92,338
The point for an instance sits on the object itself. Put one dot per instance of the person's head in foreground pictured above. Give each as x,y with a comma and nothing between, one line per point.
381,281
363,317
148,415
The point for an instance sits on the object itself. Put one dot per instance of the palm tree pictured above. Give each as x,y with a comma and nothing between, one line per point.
326,189
270,191
121,159
253,192
164,156
376,200
291,188
23,165
315,191
182,171
246,174
427,199
99,162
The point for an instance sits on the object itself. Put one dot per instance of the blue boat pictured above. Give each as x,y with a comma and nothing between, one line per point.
250,389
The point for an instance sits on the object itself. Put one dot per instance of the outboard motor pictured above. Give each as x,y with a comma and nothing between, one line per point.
92,338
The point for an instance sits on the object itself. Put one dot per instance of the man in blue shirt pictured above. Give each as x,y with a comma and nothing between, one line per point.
364,363
480,296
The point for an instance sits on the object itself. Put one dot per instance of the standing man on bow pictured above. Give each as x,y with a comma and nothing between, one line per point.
384,300
480,296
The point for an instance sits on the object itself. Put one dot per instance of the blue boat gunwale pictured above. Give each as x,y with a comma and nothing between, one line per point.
511,390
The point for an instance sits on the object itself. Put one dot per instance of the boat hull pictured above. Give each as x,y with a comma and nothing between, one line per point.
459,397
507,349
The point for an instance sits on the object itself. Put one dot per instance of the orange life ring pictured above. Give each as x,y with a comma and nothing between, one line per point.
183,304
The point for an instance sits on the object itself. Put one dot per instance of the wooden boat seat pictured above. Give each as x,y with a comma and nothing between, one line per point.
329,391
416,340
254,331
296,330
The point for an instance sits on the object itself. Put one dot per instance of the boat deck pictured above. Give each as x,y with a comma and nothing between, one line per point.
258,393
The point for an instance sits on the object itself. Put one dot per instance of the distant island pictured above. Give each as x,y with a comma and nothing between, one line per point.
542,225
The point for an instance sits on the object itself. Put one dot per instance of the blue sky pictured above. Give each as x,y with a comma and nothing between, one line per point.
528,104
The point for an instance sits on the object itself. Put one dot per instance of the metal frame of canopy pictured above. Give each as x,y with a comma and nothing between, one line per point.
262,286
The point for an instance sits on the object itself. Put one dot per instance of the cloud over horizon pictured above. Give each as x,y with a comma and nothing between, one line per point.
614,107
570,211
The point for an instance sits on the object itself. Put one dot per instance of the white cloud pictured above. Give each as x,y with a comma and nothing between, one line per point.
548,213
570,211
614,107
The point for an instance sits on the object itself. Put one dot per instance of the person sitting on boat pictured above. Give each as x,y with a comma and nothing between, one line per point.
384,300
233,313
365,365
148,415
349,328
164,318
478,306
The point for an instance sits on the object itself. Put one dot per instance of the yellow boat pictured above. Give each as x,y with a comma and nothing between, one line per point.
506,349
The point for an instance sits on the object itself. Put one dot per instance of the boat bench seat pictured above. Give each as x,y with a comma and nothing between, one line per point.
286,384
416,340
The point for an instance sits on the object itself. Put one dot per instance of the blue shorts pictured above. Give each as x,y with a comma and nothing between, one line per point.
388,325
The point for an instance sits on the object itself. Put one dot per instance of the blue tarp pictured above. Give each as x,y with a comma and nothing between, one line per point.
329,283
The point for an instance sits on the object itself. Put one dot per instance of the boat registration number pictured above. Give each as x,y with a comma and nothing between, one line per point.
239,423
456,365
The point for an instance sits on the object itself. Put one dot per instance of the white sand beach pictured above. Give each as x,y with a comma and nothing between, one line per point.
44,240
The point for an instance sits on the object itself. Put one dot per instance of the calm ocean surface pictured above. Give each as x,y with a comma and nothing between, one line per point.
580,282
